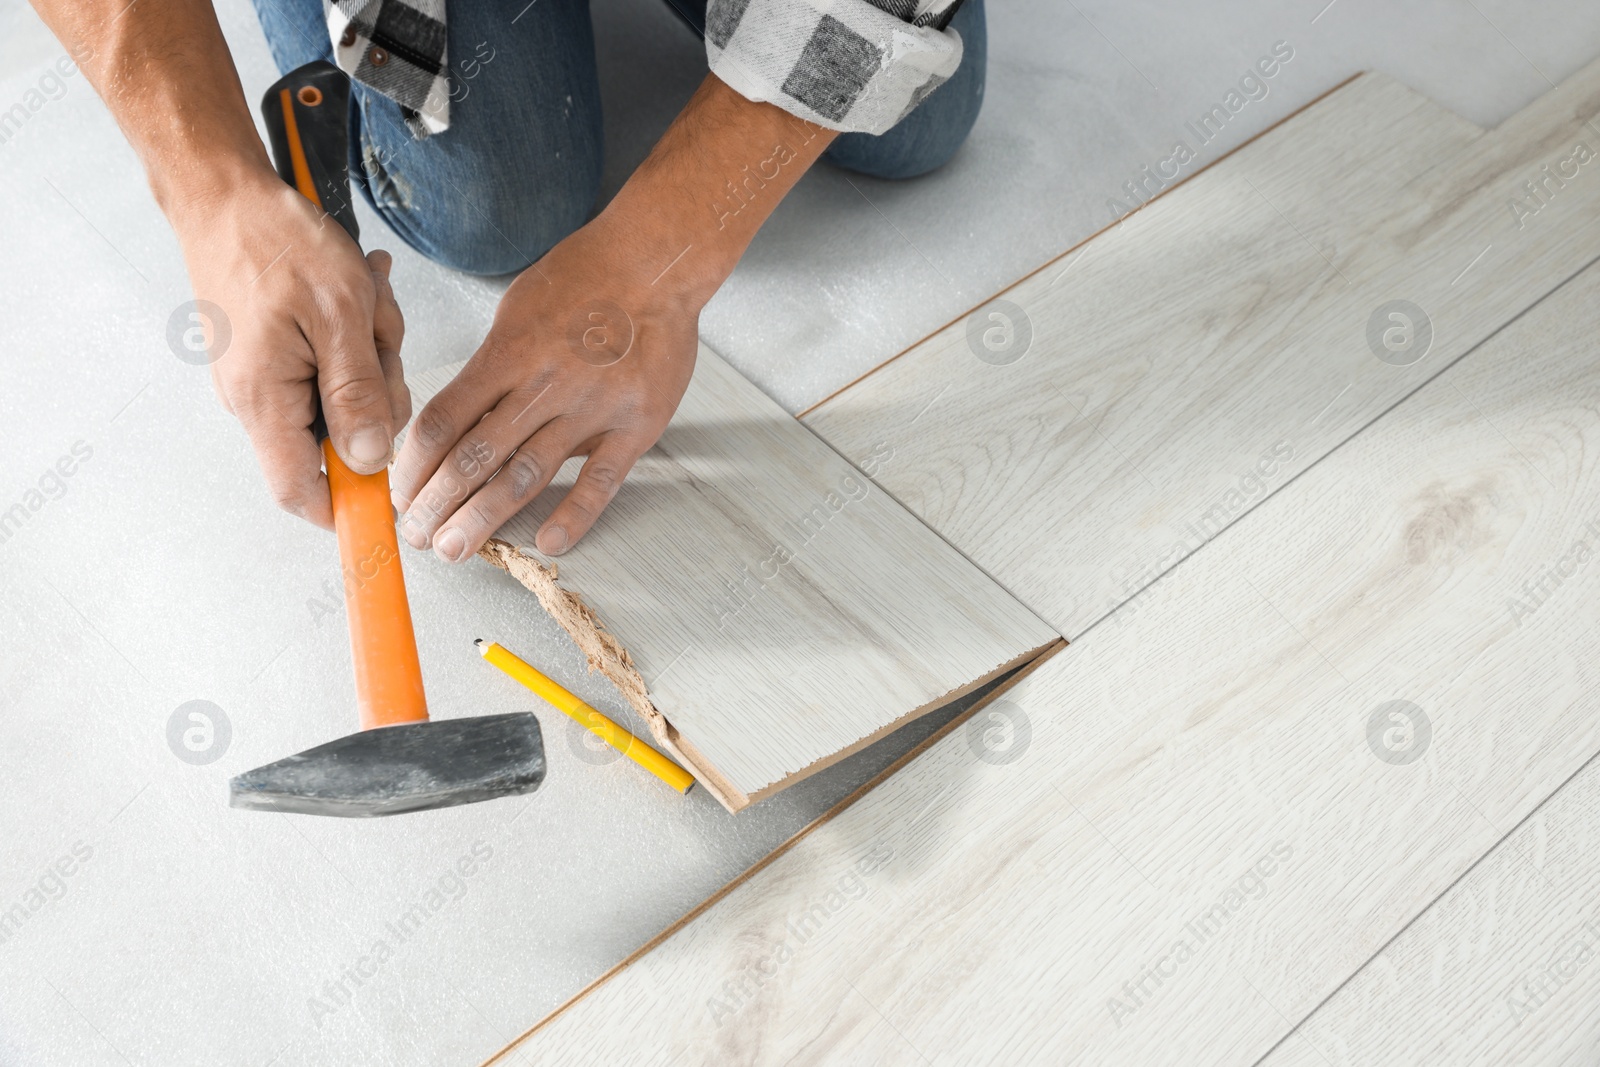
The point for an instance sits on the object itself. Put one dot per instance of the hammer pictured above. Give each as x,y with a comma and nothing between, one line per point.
399,761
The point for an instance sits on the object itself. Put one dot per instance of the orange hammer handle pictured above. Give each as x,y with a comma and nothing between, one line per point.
305,113
382,642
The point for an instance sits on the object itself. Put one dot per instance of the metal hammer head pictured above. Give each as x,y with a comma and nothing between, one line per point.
394,769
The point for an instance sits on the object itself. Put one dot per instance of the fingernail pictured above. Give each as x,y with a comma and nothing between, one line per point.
552,540
412,531
450,545
369,446
400,503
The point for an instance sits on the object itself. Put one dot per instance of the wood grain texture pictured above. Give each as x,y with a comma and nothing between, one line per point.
1174,840
1196,357
1502,969
777,610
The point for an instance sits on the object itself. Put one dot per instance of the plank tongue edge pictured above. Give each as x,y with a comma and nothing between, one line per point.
1027,661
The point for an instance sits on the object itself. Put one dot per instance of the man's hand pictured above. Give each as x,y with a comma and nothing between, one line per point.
309,316
586,357
593,346
551,380
300,300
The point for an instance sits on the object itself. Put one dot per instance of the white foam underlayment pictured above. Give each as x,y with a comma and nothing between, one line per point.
159,573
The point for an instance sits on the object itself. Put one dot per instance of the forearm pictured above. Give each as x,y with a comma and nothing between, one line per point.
165,73
709,184
657,253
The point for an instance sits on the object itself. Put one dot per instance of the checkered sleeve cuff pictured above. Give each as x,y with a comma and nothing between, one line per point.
397,47
848,65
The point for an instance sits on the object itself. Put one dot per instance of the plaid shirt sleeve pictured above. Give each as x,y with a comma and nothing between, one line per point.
398,48
848,65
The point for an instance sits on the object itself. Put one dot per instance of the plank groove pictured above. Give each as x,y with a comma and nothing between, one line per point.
1209,820
778,609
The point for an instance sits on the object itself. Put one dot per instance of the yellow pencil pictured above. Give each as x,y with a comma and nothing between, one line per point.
587,717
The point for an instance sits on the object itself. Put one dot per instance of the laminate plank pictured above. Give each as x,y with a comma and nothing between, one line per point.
1173,371
760,602
1501,969
1174,840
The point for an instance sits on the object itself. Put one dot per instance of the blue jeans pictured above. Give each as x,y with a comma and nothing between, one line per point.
519,167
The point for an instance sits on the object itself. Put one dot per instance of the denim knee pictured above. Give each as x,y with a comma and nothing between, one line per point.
517,170
471,200
488,226
894,158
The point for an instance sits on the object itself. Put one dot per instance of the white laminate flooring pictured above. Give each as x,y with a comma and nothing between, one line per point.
1504,968
1204,818
1085,431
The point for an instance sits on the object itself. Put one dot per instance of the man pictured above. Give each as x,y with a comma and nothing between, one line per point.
475,134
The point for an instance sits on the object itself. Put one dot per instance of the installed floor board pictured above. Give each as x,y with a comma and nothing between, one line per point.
1502,969
775,610
1130,400
1203,822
